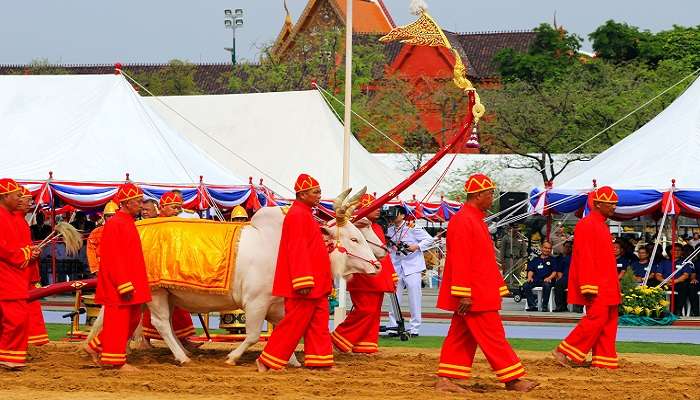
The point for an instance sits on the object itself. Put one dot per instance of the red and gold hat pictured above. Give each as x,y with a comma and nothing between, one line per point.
170,198
366,200
478,183
25,192
605,194
8,186
305,182
128,191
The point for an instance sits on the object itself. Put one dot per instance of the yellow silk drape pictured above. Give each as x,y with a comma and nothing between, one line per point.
190,254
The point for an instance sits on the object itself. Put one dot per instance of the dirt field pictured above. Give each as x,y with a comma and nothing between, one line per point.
59,371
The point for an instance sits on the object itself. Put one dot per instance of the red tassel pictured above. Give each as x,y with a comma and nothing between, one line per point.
473,142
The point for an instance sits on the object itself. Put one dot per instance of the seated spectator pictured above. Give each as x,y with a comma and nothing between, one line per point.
622,261
693,289
682,286
664,269
540,273
40,230
639,268
695,240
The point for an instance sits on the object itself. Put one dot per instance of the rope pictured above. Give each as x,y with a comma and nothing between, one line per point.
363,119
41,195
222,145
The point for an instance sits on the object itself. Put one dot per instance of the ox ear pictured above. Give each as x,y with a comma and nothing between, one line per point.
327,232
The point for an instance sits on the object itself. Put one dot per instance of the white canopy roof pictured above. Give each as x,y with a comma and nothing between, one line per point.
666,148
93,128
282,134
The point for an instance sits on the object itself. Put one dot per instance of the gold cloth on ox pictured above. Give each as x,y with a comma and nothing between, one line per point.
190,254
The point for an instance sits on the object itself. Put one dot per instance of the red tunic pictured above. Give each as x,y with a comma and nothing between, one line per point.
15,253
32,269
122,267
470,266
383,282
593,265
302,261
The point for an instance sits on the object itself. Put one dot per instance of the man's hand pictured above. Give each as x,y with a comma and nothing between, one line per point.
304,291
36,252
465,303
694,281
128,296
413,247
589,296
530,279
548,280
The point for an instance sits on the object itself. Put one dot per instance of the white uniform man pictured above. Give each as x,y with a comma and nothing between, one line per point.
407,245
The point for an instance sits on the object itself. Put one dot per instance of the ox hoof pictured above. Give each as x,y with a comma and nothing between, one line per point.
184,362
295,364
231,361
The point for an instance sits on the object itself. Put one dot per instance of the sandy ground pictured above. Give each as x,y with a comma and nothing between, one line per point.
60,371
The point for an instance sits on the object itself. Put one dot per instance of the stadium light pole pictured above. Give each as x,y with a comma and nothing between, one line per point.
233,20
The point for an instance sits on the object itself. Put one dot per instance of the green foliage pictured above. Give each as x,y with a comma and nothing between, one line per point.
41,66
552,53
681,43
177,79
619,42
537,120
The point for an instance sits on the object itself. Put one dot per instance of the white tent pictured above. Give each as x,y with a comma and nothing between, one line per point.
666,148
282,134
93,128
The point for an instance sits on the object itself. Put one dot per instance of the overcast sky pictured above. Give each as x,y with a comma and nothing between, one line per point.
155,31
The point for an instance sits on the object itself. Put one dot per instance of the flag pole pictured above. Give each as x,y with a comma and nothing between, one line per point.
339,314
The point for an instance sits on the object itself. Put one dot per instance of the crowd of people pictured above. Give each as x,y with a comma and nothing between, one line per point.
549,272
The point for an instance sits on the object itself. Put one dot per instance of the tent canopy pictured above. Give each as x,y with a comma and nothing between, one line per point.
282,134
643,166
93,128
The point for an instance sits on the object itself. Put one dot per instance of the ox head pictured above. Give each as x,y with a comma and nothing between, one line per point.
351,253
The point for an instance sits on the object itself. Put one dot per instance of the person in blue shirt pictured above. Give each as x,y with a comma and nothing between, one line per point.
562,277
684,289
541,272
639,268
623,262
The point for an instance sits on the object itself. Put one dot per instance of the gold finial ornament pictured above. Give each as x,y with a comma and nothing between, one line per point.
426,32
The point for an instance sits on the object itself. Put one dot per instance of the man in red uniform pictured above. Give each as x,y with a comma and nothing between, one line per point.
122,284
16,252
359,332
37,335
171,206
593,282
303,278
471,288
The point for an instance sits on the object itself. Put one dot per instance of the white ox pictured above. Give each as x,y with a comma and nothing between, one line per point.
251,289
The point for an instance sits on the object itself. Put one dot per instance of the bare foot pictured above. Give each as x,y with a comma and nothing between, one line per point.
126,368
560,358
446,385
93,354
261,367
10,366
521,385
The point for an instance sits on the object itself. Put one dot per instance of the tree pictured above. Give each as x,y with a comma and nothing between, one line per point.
619,42
539,120
552,53
177,79
681,43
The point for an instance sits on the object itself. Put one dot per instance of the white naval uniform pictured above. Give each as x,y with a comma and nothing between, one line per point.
409,269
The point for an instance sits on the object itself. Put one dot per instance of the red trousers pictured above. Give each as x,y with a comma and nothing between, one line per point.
359,332
119,324
484,329
596,331
307,318
14,325
37,329
182,324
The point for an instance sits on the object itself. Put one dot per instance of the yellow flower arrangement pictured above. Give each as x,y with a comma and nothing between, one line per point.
644,301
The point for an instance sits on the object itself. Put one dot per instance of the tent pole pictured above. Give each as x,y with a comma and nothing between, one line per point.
674,228
339,313
548,233
53,243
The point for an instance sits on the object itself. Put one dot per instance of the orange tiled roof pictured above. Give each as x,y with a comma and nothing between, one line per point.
369,16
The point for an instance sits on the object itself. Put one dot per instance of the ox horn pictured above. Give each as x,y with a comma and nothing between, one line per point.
356,197
339,206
